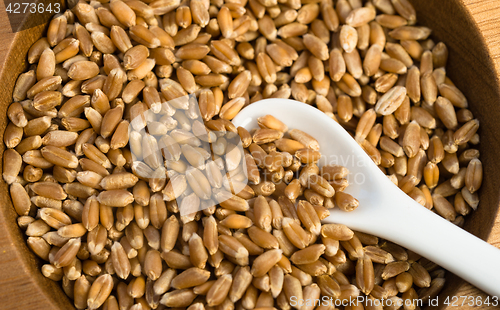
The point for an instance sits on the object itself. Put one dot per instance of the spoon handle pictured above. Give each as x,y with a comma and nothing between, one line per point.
405,222
455,249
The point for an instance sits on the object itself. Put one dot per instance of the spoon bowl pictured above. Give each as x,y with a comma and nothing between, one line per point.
384,210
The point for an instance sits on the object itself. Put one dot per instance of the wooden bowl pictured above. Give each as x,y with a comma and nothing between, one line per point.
469,29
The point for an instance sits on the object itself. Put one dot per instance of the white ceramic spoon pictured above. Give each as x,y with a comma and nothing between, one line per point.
384,210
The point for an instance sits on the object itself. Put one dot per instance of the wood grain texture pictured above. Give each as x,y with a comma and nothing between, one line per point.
470,29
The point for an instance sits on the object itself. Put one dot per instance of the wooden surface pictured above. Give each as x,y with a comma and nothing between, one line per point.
471,30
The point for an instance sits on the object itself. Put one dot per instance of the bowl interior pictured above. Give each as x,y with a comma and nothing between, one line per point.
23,285
469,67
